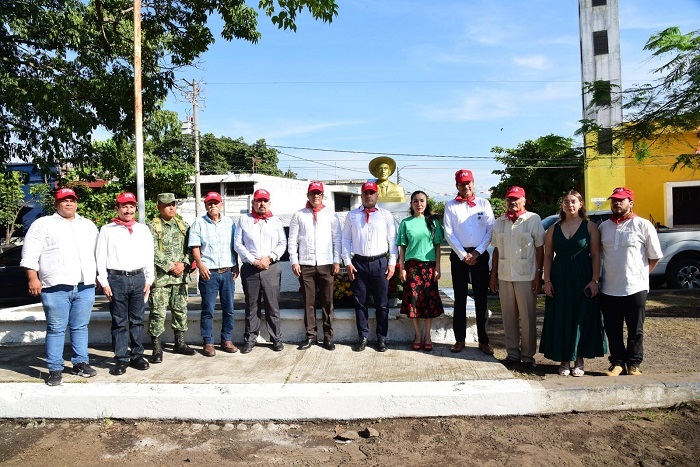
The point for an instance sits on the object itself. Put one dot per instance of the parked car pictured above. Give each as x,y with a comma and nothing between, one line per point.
595,216
680,266
13,278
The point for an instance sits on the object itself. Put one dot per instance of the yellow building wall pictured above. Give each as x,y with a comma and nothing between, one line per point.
646,178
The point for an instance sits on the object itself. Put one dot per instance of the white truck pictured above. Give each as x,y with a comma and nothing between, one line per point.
680,266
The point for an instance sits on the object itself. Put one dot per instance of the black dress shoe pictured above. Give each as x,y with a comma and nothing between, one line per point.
247,347
277,346
139,363
119,368
381,345
328,344
307,344
361,345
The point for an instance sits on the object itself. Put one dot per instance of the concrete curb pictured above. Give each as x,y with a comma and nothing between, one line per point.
345,401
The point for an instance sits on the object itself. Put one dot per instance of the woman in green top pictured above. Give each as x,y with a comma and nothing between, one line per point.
419,239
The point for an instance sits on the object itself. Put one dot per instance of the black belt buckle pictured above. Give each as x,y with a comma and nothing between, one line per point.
117,272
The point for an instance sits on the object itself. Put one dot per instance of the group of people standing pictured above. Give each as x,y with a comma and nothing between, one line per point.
64,254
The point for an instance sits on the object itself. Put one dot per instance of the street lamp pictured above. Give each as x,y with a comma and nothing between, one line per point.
398,172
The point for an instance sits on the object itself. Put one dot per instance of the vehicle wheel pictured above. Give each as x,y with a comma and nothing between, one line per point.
684,274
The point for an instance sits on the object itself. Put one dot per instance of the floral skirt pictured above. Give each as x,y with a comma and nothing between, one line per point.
421,297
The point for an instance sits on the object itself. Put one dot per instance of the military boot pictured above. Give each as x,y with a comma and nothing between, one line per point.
180,346
157,355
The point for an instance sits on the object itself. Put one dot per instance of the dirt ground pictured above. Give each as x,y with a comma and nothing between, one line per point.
644,438
638,438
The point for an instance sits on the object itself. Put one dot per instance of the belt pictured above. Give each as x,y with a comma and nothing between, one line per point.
117,272
221,270
369,258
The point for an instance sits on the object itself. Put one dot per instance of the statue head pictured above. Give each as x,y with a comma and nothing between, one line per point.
382,167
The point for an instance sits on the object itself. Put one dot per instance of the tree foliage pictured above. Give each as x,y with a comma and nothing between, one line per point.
545,168
13,199
67,65
221,155
657,112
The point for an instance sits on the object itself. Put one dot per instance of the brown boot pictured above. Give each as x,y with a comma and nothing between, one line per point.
209,350
180,346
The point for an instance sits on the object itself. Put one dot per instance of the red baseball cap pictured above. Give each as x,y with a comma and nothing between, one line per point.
315,186
261,194
515,192
65,193
464,176
126,198
213,195
622,193
369,186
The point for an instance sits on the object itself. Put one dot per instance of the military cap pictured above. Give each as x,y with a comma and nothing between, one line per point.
166,198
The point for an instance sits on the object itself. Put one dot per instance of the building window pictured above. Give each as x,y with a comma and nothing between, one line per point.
600,42
605,145
599,2
683,196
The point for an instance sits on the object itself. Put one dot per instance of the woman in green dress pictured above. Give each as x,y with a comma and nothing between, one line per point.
573,326
419,239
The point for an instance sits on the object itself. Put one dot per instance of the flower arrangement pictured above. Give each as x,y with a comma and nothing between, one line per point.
341,286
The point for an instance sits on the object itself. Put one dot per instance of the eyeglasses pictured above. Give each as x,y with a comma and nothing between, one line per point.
316,193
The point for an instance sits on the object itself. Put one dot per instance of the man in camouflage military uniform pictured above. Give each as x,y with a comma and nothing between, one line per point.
172,266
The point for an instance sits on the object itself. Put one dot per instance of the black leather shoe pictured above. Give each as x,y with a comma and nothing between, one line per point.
307,344
247,347
277,346
328,344
139,363
361,345
119,368
381,345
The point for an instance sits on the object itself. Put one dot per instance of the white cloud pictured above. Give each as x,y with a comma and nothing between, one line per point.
536,62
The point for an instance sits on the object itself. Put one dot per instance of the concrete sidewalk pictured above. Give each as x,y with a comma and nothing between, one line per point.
318,384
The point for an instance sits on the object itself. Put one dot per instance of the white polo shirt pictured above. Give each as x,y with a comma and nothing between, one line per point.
61,251
625,253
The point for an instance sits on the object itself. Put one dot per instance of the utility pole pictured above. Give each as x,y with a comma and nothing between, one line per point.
194,99
398,173
138,114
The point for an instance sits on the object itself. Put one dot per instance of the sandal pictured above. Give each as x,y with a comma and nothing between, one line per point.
564,369
578,371
416,346
428,346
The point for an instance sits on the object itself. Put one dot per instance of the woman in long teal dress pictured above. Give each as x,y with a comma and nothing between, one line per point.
573,326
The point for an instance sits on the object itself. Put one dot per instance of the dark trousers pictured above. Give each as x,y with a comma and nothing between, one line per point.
262,285
127,308
370,278
480,276
320,277
629,309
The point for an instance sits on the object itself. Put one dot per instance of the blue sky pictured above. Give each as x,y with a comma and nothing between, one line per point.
438,83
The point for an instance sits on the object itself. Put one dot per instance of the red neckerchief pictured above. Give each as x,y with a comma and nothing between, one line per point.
620,219
367,212
314,210
470,200
513,216
129,225
257,216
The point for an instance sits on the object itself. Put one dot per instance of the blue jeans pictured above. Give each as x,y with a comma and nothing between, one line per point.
222,284
127,308
67,306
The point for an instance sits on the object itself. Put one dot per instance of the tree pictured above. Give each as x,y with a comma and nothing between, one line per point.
166,168
67,65
657,112
223,155
545,168
13,200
